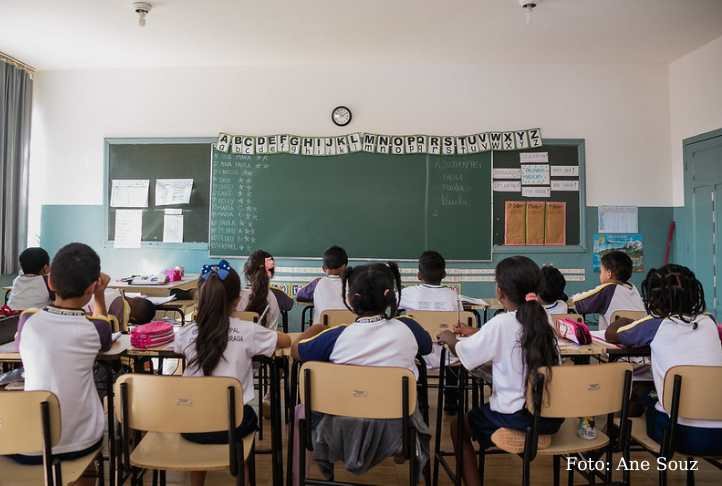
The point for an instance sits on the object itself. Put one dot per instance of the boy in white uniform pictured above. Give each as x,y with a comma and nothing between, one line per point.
59,345
31,288
615,292
325,292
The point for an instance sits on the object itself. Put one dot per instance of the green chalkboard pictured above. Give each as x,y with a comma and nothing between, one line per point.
374,205
162,159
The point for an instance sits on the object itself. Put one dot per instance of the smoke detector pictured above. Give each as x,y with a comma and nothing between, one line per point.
528,6
142,9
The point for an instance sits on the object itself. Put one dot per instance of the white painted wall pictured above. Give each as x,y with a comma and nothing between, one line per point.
695,100
621,110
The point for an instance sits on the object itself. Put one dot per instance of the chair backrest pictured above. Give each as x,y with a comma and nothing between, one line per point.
245,315
700,394
120,310
583,390
436,321
628,314
334,317
178,403
372,392
21,424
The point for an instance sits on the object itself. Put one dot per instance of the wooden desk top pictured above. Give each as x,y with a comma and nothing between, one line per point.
9,351
190,282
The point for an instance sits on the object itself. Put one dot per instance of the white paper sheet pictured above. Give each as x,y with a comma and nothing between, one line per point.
507,173
128,228
172,227
618,219
173,191
534,158
129,193
562,185
535,174
536,191
565,170
507,186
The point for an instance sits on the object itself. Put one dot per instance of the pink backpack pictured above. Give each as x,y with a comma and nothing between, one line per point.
152,335
573,329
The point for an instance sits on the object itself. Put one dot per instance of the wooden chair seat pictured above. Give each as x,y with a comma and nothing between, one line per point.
512,441
168,451
566,441
12,473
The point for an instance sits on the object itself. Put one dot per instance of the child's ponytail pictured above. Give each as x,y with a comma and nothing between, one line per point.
257,276
393,297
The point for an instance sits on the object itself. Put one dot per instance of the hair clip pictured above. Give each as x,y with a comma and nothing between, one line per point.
222,269
531,297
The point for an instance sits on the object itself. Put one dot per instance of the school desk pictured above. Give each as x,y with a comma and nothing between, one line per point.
189,282
185,308
9,354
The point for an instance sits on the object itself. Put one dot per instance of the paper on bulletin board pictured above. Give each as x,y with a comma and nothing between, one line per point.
514,222
536,191
563,185
504,173
173,191
534,158
129,193
565,170
173,226
535,174
507,186
618,219
535,222
631,244
128,228
555,230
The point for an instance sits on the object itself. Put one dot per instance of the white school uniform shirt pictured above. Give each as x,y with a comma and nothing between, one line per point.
608,298
29,291
58,348
498,341
245,340
432,298
272,314
675,343
557,308
327,296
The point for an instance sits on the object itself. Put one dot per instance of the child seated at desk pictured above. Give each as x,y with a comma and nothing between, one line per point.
325,292
376,338
30,289
679,333
220,345
142,310
551,293
518,343
59,345
257,296
615,292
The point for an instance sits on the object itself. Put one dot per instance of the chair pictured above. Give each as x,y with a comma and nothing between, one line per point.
359,392
687,394
166,406
337,316
628,314
574,391
30,422
245,315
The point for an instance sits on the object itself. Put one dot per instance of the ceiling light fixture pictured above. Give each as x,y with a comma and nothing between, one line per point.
528,6
142,9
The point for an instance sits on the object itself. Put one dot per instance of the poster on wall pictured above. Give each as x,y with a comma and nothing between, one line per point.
630,243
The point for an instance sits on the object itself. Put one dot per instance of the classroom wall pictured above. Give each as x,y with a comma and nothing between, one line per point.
621,110
695,100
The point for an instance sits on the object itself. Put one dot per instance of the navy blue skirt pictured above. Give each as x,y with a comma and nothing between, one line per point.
484,422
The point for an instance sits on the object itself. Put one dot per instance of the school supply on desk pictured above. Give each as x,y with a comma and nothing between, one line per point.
160,300
115,336
152,335
13,376
599,336
472,301
175,274
161,279
574,330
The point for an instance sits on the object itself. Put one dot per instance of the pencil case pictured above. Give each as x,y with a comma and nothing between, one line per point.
152,335
574,330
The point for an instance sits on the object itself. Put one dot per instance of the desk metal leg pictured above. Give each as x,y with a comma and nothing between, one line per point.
112,465
276,439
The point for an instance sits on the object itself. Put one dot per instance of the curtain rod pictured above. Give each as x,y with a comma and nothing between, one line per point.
11,60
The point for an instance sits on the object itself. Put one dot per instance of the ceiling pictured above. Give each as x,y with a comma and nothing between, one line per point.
69,34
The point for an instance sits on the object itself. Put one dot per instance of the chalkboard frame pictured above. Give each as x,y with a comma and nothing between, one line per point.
107,142
582,246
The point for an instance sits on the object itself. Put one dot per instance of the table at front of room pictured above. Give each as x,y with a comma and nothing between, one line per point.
9,354
189,282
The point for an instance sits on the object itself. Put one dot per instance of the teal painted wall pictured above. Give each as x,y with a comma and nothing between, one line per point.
62,224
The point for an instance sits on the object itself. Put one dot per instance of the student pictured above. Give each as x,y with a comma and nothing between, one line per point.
551,293
257,296
142,310
285,303
679,333
430,295
376,338
59,345
325,292
30,289
220,345
517,343
615,292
